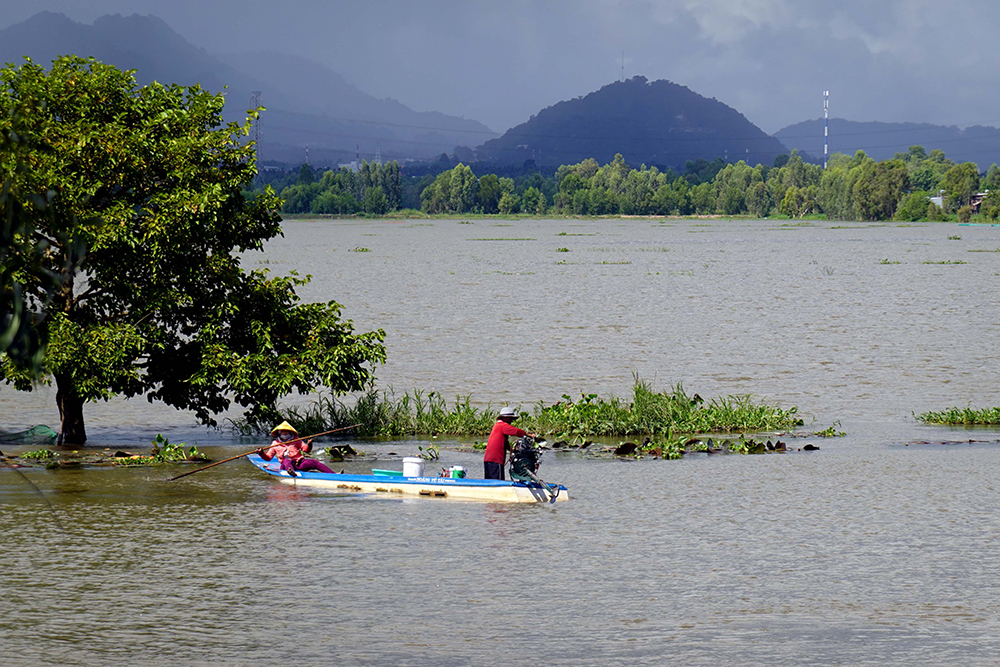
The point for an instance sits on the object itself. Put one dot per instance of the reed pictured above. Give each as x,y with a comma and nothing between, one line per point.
649,412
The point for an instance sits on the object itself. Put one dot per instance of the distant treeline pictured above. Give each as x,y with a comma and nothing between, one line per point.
850,188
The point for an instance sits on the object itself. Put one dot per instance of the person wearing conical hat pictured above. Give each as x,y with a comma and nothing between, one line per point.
291,450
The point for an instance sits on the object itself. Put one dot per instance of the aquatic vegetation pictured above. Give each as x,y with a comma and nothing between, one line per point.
887,261
562,249
831,431
649,412
432,453
39,454
652,412
984,250
966,415
504,239
947,261
359,249
164,451
954,238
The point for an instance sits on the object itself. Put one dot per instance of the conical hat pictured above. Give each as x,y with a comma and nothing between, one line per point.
284,426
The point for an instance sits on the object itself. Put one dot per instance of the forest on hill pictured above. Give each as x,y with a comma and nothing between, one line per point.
653,123
850,188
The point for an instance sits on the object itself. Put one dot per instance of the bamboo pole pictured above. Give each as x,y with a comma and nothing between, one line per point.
254,451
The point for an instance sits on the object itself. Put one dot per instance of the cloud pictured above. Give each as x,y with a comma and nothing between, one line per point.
920,60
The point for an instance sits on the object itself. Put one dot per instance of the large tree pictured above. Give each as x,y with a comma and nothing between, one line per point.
148,181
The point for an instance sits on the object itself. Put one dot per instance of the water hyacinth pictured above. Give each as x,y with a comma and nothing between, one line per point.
966,415
380,413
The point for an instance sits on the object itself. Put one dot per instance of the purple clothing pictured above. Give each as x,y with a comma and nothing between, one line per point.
303,465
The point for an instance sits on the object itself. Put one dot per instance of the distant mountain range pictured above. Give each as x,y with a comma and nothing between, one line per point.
880,141
307,103
653,123
312,108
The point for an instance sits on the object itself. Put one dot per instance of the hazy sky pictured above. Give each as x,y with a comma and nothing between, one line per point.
503,60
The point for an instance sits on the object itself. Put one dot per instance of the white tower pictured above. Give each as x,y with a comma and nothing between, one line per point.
826,125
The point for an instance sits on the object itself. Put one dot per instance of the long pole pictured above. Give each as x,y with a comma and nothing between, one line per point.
254,451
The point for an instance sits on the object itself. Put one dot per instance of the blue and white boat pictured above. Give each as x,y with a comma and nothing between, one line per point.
392,483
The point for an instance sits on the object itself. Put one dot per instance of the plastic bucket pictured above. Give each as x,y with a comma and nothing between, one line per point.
457,472
413,466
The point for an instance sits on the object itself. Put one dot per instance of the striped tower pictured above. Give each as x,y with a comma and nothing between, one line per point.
826,125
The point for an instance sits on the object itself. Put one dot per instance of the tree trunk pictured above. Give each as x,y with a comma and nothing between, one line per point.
72,431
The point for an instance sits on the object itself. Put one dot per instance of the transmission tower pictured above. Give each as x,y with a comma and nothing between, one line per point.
826,125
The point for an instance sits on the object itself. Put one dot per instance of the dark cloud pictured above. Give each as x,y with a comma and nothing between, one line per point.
889,60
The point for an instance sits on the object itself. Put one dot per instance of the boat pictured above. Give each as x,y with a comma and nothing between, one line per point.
394,483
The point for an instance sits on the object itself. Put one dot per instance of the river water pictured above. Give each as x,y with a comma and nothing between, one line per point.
878,549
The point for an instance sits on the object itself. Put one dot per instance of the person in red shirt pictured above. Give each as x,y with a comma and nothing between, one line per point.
289,449
497,446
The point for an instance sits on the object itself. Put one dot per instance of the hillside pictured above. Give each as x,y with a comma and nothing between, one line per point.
308,104
881,141
657,123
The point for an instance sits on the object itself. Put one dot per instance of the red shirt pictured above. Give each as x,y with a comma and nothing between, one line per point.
496,446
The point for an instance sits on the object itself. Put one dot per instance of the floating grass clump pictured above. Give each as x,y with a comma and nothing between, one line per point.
966,415
649,412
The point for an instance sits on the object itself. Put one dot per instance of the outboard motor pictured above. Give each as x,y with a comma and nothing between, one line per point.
524,460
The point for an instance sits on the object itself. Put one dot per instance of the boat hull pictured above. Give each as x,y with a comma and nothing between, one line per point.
490,490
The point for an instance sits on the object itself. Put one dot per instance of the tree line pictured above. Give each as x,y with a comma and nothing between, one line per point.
849,188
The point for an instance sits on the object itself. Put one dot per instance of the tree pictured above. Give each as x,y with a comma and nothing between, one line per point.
305,174
533,201
912,207
878,189
960,183
149,180
488,193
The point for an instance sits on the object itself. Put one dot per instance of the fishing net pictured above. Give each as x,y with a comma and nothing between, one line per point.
36,435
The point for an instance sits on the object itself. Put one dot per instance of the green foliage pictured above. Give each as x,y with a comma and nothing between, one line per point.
912,207
649,412
831,431
163,451
960,183
990,206
966,415
934,212
38,455
149,180
432,453
374,189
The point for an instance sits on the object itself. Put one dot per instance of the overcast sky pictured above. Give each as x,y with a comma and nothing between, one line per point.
501,61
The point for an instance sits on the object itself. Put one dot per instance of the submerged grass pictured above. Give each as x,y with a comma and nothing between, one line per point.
649,412
966,415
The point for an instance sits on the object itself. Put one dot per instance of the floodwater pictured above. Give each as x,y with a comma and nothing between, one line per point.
877,549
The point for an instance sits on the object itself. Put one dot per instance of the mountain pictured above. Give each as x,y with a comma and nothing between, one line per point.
881,141
652,123
308,104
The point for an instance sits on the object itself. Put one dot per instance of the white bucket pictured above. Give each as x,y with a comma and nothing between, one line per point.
413,466
458,472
